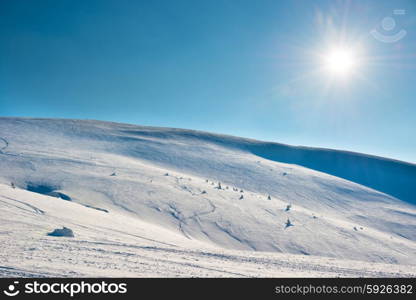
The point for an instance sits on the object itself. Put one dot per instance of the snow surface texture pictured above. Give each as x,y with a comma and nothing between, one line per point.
147,201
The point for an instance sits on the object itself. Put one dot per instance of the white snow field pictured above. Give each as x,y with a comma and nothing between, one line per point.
146,202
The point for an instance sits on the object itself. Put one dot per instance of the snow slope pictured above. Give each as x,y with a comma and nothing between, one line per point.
144,201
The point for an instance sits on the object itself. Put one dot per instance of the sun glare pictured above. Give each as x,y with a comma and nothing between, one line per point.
340,61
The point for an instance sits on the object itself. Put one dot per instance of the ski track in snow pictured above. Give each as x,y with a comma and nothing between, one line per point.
3,147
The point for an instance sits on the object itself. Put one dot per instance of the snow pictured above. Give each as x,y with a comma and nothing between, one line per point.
134,198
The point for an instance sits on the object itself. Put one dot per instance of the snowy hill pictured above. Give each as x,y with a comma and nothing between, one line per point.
146,201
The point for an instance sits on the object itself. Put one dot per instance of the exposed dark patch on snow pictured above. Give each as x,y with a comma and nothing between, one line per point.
40,188
97,208
60,195
64,232
48,190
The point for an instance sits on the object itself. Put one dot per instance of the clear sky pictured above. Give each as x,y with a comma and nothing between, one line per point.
263,69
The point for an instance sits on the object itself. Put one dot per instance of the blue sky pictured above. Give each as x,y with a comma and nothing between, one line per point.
247,68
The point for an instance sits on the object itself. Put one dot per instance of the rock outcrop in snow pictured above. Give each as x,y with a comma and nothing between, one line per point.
62,232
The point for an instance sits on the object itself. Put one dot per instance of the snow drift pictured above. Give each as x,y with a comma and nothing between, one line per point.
215,190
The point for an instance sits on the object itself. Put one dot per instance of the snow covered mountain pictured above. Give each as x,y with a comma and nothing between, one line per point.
148,201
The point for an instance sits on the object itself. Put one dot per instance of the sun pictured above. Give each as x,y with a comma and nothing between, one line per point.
340,61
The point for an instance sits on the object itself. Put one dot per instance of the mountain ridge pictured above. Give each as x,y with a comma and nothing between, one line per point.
208,188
